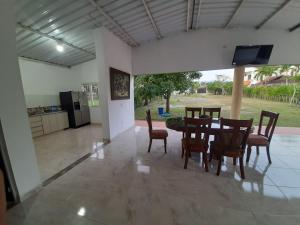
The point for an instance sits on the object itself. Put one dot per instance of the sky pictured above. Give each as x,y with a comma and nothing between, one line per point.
211,75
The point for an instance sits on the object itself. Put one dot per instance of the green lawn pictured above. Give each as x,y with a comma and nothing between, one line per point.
289,114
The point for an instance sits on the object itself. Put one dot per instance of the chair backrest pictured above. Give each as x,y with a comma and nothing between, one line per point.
211,111
198,126
149,120
193,111
234,133
271,123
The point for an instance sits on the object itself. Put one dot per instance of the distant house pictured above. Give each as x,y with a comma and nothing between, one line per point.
275,80
202,90
249,79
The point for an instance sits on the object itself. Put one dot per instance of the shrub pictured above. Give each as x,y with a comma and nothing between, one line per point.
276,93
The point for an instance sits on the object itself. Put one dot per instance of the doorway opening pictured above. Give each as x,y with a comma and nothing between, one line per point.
11,191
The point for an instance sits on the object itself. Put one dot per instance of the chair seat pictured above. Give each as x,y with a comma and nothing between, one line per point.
159,134
255,139
195,145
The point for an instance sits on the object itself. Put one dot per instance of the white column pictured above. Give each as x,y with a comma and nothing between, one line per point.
13,113
117,115
103,82
237,92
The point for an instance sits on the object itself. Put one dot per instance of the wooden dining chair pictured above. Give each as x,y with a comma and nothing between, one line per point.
198,142
231,141
263,139
191,112
212,112
160,134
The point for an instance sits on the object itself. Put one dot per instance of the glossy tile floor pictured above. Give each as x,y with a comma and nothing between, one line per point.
122,184
58,150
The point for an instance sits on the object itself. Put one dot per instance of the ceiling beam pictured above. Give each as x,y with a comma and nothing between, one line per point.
112,21
234,14
281,7
188,15
193,14
297,26
198,14
42,61
29,28
154,25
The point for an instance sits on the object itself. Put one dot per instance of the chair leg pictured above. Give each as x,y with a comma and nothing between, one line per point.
234,161
248,153
186,158
150,143
205,161
242,167
257,150
165,144
219,165
210,155
182,147
268,154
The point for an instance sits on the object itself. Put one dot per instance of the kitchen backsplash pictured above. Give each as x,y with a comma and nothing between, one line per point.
42,109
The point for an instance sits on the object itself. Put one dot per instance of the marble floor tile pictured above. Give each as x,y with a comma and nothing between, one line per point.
121,183
58,150
284,177
293,195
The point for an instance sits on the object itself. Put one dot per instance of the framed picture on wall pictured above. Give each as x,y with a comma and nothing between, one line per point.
119,84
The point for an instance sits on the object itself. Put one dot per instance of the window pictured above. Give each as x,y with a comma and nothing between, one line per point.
92,91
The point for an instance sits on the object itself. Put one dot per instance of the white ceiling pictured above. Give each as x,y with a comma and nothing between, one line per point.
42,22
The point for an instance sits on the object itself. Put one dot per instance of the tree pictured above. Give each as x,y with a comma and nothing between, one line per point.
219,87
194,87
144,89
169,82
265,71
222,79
149,86
285,70
295,79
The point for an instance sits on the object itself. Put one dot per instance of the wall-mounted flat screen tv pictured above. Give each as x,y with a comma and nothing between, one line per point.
252,55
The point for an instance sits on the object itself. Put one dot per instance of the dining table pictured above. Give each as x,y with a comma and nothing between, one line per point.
177,124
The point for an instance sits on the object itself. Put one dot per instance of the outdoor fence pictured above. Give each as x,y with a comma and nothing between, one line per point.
276,98
283,93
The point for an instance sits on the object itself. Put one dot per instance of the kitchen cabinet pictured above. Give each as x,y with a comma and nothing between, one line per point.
36,126
48,123
62,120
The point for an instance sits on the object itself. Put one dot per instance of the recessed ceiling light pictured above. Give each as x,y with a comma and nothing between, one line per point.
81,211
60,48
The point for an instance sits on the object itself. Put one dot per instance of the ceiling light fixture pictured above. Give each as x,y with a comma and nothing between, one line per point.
60,47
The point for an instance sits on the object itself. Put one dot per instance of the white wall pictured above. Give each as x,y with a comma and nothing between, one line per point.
42,83
211,49
13,113
117,115
86,72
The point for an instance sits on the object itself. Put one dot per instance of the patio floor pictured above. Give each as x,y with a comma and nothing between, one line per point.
123,184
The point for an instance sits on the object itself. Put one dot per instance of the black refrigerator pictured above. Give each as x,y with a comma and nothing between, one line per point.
76,104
